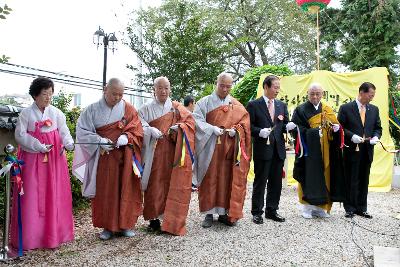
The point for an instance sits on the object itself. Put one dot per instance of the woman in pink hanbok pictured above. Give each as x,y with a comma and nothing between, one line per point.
46,202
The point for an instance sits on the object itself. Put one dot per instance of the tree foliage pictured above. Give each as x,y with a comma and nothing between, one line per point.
261,32
362,34
178,43
4,11
246,89
191,41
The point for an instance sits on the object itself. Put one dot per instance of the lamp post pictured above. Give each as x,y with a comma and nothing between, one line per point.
108,40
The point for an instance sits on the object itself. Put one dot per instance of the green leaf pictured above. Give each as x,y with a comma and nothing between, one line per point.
2,17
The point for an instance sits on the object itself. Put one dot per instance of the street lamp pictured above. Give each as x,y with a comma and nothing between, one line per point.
108,40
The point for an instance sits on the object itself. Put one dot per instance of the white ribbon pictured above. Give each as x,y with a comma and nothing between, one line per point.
6,169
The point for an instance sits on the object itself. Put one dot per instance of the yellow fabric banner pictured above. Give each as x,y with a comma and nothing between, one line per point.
340,88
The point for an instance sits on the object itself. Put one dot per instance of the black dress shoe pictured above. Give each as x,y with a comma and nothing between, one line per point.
274,216
225,220
364,214
257,219
349,214
155,225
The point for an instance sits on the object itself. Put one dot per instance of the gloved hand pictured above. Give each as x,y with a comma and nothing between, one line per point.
290,126
335,127
69,146
155,133
174,127
356,139
122,140
374,140
320,132
217,131
45,148
106,147
231,132
264,133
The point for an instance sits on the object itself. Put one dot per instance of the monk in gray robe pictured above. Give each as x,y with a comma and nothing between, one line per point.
108,161
168,155
223,153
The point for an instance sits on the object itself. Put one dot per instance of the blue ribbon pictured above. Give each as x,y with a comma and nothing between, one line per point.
188,147
20,245
14,171
305,149
137,164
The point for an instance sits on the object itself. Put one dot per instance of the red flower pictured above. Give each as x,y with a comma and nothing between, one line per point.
121,125
47,123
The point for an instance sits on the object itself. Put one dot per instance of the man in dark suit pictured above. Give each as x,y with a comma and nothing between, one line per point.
268,118
362,128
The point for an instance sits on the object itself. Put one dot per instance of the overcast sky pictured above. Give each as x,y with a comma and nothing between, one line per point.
57,35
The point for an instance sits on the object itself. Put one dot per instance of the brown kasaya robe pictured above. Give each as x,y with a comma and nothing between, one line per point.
224,184
118,200
169,188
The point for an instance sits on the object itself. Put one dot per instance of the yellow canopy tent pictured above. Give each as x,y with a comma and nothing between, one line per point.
341,88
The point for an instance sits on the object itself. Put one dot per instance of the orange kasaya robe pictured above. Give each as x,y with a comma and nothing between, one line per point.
169,188
224,184
118,200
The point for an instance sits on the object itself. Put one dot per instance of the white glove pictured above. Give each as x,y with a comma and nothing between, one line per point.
320,132
231,132
335,127
264,133
122,140
374,140
174,127
217,131
356,139
290,126
45,148
155,132
69,146
106,147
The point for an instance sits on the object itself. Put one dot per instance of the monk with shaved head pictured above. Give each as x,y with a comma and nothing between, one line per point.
223,152
168,155
109,137
318,165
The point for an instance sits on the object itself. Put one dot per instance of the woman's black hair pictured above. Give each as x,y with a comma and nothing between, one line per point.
40,84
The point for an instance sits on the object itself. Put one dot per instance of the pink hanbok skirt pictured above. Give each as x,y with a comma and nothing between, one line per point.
46,204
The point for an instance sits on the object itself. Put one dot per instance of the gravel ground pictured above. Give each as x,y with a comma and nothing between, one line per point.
297,242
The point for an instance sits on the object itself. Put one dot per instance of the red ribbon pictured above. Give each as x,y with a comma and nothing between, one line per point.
297,148
341,137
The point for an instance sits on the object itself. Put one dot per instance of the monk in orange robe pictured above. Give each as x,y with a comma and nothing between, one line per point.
168,155
223,153
112,135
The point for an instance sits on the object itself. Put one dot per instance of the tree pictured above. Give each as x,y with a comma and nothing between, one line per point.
261,32
246,89
178,43
3,12
192,41
362,34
